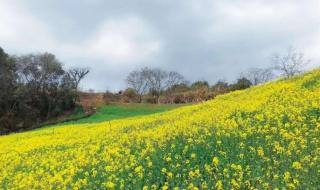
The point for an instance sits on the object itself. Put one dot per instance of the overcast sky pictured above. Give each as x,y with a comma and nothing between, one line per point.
202,39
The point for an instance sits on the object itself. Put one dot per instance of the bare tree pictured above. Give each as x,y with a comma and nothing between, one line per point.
174,78
156,81
259,75
137,81
159,80
153,80
77,74
290,63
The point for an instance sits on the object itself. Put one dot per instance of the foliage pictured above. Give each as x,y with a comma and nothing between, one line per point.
34,88
242,83
110,97
199,85
158,86
265,137
130,96
8,87
221,87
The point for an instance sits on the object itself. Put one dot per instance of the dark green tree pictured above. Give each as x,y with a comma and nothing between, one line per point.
8,84
242,83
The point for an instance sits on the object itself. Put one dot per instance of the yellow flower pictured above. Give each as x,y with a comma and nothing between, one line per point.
191,174
170,175
260,152
261,127
219,185
286,176
108,168
215,161
110,185
296,165
296,181
235,184
165,187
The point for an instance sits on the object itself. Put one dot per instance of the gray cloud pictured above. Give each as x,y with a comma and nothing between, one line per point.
206,39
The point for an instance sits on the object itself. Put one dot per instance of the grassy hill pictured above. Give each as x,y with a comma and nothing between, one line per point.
113,112
122,111
266,137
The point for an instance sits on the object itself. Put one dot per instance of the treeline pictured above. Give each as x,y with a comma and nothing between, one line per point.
154,85
35,88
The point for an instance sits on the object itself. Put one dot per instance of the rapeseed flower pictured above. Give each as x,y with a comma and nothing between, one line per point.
265,137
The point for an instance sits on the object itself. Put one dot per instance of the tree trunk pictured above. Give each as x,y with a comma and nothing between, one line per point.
140,98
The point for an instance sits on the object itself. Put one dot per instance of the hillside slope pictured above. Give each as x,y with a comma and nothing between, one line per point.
266,137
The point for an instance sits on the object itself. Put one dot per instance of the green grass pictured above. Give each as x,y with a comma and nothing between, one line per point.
121,111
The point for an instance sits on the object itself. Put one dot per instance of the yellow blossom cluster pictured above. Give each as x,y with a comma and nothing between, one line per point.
265,137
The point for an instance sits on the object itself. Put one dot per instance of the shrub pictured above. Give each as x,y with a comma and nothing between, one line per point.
130,96
110,97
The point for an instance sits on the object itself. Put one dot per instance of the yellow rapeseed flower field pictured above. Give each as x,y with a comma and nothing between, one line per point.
265,137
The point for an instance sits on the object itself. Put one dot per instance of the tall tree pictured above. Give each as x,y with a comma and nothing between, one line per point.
259,75
199,85
8,86
242,83
42,74
77,74
291,63
221,87
175,78
156,80
34,87
137,81
153,80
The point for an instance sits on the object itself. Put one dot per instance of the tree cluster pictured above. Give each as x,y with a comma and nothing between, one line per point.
287,65
34,88
159,86
153,81
153,85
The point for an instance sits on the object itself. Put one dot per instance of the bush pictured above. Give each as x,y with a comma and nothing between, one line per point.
110,97
130,96
149,99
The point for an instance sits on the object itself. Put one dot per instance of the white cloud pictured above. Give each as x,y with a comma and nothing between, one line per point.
123,41
223,36
262,16
254,12
116,47
117,43
20,32
311,48
118,40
